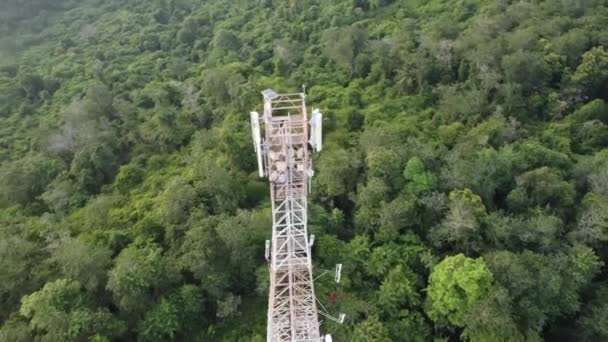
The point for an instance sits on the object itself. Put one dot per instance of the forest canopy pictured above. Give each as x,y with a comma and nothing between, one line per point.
463,181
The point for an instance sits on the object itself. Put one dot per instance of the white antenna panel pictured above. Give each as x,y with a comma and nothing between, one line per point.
255,129
257,140
328,338
267,250
341,318
316,130
311,242
338,272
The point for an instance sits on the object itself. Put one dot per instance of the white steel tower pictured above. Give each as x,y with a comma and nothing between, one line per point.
283,157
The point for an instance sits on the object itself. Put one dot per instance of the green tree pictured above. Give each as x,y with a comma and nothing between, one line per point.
487,172
592,224
459,104
409,326
589,136
594,110
337,172
243,234
167,129
370,197
592,73
128,177
82,262
21,261
455,285
226,40
139,271
84,124
542,186
62,194
23,180
15,330
385,163
541,231
572,45
398,291
285,55
203,254
593,324
222,85
31,84
525,68
177,200
161,323
94,166
539,286
190,303
492,319
419,180
344,45
370,329
60,311
395,216
188,32
462,224
219,190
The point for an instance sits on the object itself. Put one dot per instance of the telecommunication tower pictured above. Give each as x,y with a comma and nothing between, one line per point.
283,157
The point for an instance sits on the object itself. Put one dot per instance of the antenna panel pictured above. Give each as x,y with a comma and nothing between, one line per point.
255,129
257,140
338,272
267,250
316,130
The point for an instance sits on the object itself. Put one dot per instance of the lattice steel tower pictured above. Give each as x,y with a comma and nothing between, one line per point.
283,157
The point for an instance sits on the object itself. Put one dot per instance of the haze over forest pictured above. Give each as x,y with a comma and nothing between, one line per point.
463,181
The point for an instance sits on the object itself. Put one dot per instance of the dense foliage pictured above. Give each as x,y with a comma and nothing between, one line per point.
463,182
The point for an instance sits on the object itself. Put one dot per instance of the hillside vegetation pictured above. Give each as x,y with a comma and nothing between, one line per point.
463,181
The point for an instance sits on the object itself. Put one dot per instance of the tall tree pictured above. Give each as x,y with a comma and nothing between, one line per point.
456,284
